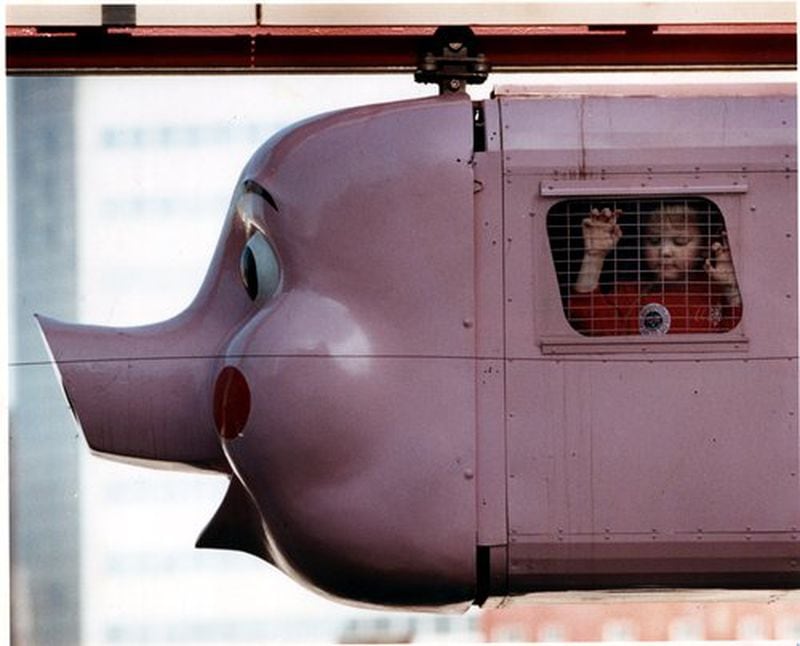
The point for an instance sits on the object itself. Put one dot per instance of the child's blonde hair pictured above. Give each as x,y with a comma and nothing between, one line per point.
675,214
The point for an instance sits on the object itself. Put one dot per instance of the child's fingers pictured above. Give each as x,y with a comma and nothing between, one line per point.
721,252
609,216
605,215
595,223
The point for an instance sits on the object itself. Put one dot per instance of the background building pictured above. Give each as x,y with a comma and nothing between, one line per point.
629,621
45,519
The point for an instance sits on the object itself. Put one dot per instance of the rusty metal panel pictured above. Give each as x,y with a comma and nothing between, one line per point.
133,48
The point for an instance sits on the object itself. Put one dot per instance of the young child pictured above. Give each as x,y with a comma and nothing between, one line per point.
687,286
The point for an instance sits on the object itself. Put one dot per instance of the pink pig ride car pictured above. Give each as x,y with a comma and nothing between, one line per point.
381,360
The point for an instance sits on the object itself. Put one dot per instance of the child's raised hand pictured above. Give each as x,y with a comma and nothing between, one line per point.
719,266
601,233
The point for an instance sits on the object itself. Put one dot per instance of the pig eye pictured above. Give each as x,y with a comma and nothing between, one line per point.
259,268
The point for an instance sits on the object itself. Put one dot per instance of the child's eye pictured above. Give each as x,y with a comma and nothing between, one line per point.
681,241
653,242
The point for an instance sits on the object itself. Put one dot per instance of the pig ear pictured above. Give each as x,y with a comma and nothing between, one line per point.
237,525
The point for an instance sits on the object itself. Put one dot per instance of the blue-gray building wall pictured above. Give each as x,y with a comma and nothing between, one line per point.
43,442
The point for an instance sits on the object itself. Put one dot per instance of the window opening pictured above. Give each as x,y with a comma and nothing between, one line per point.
644,267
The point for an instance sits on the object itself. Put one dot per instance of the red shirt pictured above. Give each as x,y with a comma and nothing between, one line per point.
635,309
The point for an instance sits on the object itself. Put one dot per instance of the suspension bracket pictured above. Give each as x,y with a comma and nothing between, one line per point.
450,59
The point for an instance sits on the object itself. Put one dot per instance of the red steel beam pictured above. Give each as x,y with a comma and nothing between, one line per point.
304,49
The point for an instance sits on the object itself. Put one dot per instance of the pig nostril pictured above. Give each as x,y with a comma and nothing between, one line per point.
231,402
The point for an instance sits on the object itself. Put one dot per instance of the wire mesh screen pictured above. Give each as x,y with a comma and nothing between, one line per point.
644,267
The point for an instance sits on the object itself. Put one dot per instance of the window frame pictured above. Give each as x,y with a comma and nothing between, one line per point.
556,336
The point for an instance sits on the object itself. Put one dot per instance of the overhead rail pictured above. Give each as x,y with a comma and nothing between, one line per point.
387,37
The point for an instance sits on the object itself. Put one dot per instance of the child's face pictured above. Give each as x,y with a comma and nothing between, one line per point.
671,248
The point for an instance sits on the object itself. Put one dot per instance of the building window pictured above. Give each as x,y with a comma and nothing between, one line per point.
619,630
686,629
552,632
644,267
787,627
441,625
510,632
751,627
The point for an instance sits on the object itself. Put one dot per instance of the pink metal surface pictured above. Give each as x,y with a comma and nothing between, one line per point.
345,404
666,462
140,393
361,442
406,416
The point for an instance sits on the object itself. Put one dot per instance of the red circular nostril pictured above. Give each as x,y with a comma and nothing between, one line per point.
231,402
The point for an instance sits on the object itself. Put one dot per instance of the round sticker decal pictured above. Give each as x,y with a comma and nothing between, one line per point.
654,318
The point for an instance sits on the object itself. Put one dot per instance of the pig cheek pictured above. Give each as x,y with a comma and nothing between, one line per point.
305,443
301,430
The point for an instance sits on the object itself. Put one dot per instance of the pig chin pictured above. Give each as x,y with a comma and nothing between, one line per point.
135,394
